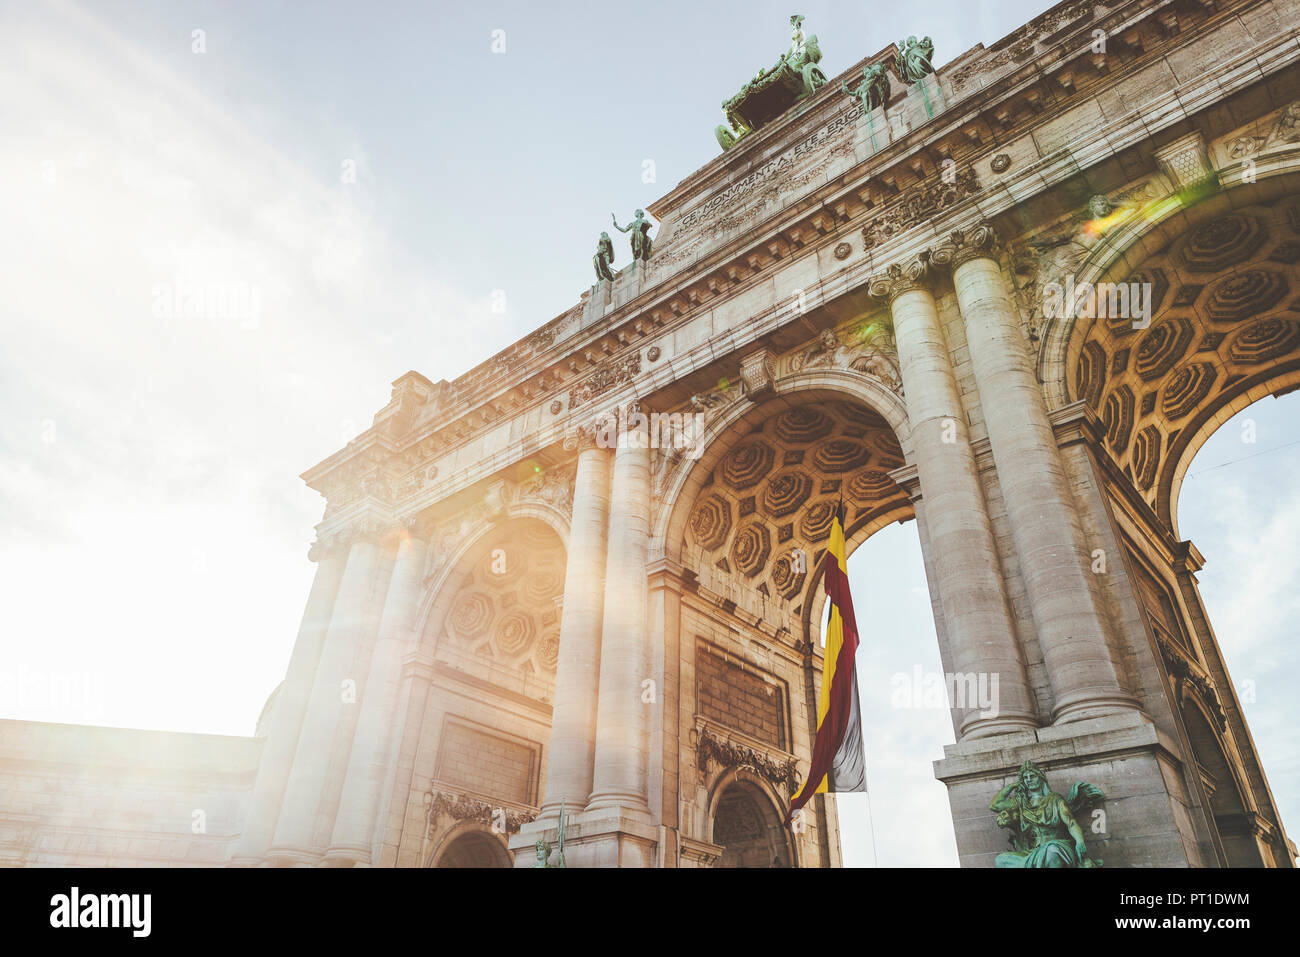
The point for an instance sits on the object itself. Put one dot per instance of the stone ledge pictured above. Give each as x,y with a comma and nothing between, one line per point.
1068,744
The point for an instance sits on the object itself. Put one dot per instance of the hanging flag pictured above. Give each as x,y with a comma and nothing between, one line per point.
838,759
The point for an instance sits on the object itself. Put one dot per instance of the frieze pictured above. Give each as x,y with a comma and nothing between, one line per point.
919,204
609,375
775,167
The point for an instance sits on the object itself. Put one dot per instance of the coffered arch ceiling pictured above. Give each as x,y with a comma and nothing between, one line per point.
497,613
1225,331
770,493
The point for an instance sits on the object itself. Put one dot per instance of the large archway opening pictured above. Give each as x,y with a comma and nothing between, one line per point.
758,512
905,819
490,644
1240,504
1224,333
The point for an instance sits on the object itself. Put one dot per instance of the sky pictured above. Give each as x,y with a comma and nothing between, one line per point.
230,226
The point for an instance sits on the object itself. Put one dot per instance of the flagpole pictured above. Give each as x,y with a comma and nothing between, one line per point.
871,821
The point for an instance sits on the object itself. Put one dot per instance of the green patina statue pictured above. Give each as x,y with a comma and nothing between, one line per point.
604,258
775,89
873,91
640,230
914,60
544,848
1043,825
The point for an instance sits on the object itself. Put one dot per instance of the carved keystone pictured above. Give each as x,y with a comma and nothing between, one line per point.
756,373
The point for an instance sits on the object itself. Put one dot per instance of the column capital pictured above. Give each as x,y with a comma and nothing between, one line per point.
582,437
963,245
416,526
324,547
898,279
366,528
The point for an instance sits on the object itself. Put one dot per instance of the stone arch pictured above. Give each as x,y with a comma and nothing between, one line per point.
739,419
766,486
450,546
1221,776
510,619
470,844
1224,332
741,784
1122,251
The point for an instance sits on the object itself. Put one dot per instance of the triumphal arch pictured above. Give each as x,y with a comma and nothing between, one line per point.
1007,300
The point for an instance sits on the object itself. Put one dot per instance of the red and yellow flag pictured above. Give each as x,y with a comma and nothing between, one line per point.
838,759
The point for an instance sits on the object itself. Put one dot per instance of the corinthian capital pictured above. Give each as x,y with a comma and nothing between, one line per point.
366,528
980,241
900,279
588,435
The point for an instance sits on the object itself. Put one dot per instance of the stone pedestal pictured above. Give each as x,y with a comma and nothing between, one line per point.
599,838
1146,818
597,302
628,283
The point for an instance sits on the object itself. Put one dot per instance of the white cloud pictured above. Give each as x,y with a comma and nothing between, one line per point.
153,520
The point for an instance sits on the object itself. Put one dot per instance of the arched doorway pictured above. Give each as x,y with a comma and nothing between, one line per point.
748,828
473,849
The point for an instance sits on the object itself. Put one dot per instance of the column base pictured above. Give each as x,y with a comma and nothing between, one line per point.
292,857
1149,817
627,802
611,837
977,727
1088,703
347,855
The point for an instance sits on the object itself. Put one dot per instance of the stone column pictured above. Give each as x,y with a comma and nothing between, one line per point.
981,637
285,720
620,776
1054,557
577,672
354,826
293,832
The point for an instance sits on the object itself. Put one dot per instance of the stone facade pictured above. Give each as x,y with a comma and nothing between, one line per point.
75,796
848,305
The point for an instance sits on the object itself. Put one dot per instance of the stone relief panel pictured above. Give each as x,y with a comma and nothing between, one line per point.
1229,311
1271,133
866,346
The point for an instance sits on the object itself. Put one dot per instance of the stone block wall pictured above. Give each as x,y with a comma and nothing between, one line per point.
73,795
